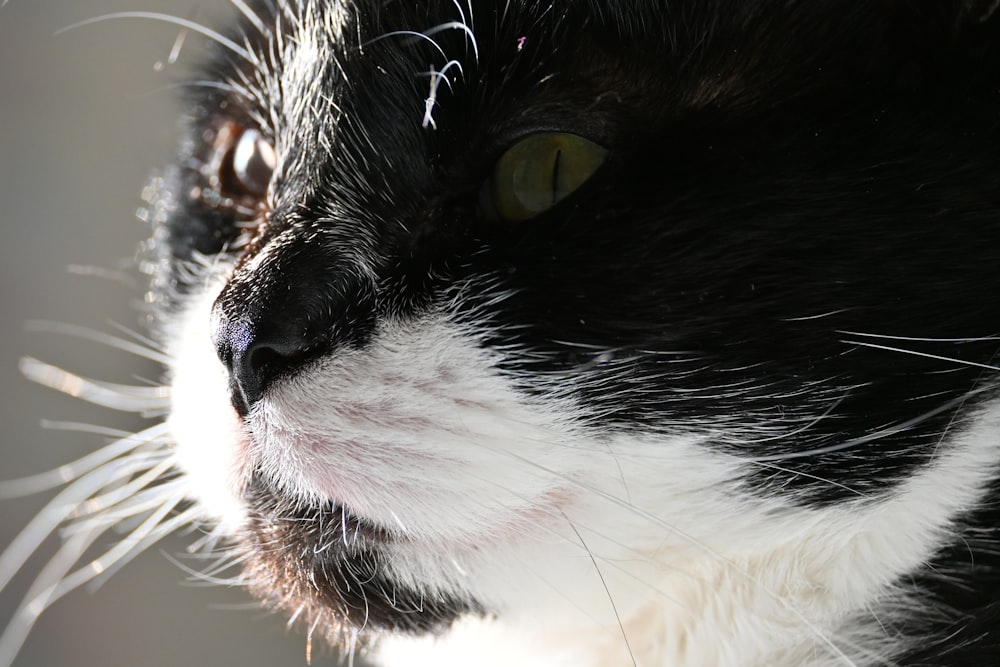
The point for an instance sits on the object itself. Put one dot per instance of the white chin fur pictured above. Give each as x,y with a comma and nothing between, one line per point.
579,542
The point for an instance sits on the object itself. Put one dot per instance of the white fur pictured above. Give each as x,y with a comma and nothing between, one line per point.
209,434
593,549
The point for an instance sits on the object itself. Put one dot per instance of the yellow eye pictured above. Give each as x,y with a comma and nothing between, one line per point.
539,171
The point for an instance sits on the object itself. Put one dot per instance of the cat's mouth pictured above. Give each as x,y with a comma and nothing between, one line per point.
329,569
324,524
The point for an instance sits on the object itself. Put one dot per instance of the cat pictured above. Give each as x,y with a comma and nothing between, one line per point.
587,333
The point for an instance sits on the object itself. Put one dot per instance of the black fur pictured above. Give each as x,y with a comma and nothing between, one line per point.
790,184
325,566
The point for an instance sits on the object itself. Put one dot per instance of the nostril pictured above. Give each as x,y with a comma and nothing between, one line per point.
256,353
265,358
272,318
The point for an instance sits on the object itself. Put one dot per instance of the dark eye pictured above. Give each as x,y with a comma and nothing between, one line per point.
253,162
538,172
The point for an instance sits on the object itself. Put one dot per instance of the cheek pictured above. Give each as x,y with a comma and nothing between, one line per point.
415,431
419,434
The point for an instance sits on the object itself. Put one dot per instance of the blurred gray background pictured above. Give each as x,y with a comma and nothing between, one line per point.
85,117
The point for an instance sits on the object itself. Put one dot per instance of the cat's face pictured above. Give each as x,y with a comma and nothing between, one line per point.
521,308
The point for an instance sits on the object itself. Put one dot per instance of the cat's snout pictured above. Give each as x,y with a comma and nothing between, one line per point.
274,317
256,351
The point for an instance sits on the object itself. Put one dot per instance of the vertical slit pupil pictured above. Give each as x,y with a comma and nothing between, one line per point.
555,176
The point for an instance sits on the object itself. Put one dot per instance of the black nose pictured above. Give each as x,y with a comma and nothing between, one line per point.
257,351
254,356
274,317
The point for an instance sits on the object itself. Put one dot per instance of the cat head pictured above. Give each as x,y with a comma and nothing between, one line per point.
493,309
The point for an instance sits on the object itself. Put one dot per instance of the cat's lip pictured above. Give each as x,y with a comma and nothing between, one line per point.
335,521
338,522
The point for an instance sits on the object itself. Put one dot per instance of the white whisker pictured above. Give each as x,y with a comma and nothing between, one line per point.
126,501
926,355
112,562
215,36
112,275
17,630
251,16
611,598
436,78
71,471
145,348
175,50
800,473
456,25
406,33
55,579
148,401
871,437
209,577
917,339
56,511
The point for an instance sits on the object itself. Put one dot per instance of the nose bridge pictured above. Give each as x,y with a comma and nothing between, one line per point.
288,305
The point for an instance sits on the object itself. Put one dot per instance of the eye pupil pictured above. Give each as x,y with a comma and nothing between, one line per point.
556,196
253,162
537,172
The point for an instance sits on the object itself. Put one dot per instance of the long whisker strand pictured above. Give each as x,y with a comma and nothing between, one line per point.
215,36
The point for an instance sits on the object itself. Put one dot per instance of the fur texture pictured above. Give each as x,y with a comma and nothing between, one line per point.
731,401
